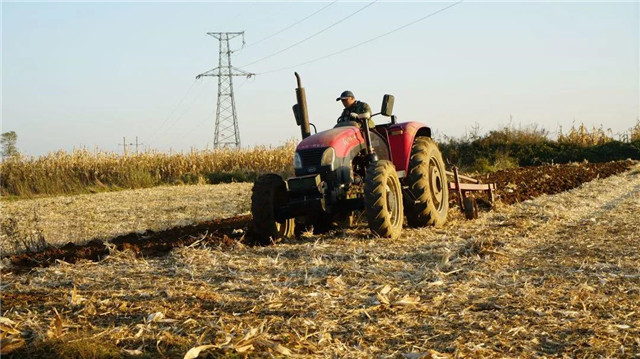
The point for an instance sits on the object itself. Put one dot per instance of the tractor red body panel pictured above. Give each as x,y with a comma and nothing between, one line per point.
401,136
342,139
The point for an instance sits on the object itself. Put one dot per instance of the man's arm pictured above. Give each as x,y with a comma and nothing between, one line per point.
367,108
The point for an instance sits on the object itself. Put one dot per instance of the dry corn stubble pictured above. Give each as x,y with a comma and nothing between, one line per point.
33,224
81,218
555,276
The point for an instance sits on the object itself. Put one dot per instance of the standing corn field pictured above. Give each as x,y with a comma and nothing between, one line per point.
82,171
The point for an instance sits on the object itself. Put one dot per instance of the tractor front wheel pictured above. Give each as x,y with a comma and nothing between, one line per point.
269,191
383,199
427,182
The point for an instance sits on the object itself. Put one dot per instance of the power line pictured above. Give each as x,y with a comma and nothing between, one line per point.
184,111
364,42
290,26
310,37
174,109
267,16
176,113
236,89
192,129
232,20
205,119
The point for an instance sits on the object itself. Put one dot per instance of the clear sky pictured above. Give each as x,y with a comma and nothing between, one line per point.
86,74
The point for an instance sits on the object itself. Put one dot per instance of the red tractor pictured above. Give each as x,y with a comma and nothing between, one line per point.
389,172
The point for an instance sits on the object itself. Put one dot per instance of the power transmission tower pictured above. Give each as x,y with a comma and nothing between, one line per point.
227,133
124,145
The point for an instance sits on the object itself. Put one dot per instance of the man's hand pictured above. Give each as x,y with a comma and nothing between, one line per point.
361,116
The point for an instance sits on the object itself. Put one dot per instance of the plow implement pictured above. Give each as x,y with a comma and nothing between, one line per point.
463,186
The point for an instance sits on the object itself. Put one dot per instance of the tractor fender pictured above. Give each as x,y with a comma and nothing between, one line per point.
401,137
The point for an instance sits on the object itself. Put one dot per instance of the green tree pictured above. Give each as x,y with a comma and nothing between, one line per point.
9,140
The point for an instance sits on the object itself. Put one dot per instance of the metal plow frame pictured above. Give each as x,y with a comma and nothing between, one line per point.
463,190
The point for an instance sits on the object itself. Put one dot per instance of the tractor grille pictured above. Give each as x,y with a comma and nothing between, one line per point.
311,157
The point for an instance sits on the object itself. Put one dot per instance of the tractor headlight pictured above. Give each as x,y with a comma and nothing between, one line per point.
328,157
297,161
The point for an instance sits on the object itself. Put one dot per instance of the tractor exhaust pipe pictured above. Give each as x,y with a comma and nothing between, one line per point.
300,110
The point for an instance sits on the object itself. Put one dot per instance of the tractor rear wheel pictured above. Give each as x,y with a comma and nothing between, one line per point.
383,199
269,191
427,182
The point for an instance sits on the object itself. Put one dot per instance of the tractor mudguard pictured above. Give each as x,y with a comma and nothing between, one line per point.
401,136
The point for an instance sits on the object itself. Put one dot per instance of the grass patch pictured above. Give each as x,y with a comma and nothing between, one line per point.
512,146
229,177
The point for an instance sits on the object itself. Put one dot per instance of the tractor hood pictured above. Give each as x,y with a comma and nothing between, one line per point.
342,139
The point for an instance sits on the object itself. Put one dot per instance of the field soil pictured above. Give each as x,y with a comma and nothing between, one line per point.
520,184
214,214
553,276
82,218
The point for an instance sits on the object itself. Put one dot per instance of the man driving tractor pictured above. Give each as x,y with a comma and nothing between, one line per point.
353,110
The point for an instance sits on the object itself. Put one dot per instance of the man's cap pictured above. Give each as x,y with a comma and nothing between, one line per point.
344,95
